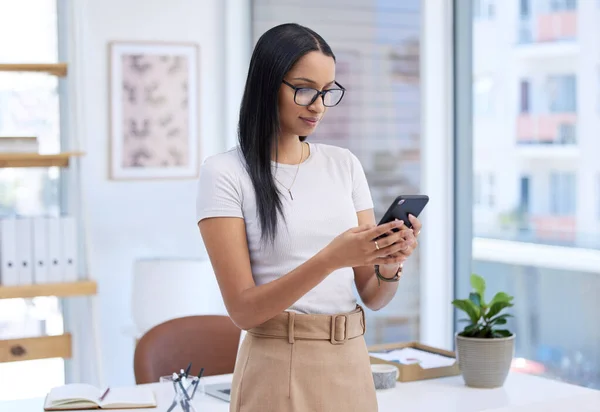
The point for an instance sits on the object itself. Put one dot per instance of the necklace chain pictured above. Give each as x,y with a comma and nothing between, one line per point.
289,189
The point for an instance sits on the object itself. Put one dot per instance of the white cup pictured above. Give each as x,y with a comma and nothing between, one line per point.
384,376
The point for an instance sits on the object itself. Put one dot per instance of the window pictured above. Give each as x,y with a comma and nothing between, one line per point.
562,93
567,133
524,96
484,9
525,26
378,54
484,189
29,106
482,96
524,194
477,189
491,189
562,194
524,8
535,189
563,5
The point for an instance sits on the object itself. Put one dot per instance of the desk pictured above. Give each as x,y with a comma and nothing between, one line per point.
520,393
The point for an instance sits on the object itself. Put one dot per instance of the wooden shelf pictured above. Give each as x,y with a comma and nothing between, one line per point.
42,347
81,288
36,159
55,69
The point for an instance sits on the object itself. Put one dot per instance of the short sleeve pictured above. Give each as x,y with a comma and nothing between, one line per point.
219,194
361,194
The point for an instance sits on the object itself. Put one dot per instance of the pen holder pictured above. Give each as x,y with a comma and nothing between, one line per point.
187,384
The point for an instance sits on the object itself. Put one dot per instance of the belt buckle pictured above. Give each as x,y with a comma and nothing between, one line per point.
364,320
333,340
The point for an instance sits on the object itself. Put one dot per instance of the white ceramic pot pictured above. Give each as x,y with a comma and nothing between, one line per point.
484,363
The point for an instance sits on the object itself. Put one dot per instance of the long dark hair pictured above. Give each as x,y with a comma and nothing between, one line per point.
275,53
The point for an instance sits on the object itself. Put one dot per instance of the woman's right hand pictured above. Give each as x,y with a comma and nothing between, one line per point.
362,246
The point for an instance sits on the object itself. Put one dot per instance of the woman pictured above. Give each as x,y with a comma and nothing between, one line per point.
288,226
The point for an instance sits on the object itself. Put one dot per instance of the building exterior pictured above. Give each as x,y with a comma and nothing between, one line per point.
536,114
536,177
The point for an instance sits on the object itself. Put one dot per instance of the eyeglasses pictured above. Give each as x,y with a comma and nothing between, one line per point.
305,96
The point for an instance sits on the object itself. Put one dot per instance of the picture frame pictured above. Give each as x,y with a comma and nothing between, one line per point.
153,110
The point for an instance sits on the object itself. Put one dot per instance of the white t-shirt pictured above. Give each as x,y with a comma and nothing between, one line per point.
329,190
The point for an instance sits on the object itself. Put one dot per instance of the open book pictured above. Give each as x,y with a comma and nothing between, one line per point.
77,396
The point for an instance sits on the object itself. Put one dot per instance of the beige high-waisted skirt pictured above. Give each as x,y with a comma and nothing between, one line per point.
305,363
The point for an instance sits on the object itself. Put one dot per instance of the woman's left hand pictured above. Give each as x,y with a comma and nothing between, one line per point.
410,238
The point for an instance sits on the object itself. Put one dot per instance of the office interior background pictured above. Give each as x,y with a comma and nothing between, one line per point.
491,107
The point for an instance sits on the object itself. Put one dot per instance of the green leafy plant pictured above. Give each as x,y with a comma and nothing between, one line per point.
484,318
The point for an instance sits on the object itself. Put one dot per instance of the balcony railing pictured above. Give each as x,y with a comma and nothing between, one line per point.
549,27
555,128
539,228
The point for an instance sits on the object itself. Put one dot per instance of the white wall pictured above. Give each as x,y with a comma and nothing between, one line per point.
131,220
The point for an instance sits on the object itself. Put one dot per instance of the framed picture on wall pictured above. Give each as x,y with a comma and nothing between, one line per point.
154,110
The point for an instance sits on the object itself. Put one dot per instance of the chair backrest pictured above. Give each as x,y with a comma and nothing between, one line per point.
208,341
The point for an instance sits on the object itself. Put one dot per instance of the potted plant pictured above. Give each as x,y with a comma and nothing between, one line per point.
485,349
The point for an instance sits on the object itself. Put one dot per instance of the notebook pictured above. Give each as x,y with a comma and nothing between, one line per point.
78,396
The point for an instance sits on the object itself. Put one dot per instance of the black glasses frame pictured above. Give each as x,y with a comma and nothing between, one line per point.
318,93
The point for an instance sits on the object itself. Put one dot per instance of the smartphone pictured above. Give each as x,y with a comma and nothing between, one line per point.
404,205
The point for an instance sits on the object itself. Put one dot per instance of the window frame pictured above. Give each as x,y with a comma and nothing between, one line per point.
87,365
439,62
484,9
463,145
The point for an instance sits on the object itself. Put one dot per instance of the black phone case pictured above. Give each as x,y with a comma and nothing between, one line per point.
403,206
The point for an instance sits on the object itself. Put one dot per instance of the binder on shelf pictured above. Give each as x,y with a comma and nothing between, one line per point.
55,272
24,245
19,144
68,237
40,243
8,252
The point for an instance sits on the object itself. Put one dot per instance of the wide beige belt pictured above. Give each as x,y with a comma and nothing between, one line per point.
335,328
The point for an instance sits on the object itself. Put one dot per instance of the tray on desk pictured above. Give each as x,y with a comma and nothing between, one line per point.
418,370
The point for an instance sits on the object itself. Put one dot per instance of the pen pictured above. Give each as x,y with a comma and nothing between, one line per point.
198,381
104,394
173,405
187,397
